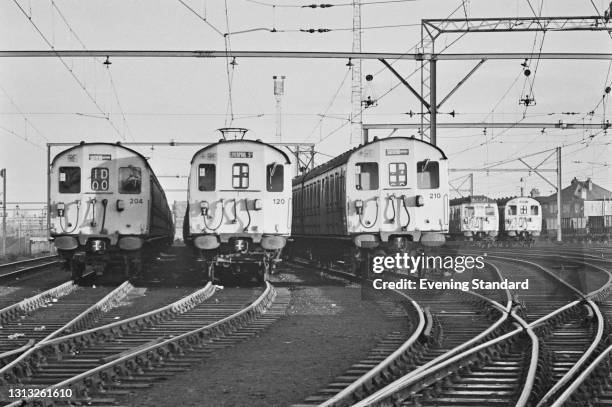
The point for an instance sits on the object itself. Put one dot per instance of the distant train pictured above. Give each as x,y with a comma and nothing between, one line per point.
520,219
474,218
238,216
107,209
389,194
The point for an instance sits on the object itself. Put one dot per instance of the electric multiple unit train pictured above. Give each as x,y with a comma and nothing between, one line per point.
238,217
106,208
389,194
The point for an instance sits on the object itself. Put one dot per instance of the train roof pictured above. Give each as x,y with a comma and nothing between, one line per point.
344,157
259,142
503,201
472,199
117,144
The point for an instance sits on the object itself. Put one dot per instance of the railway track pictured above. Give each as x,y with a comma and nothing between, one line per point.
51,313
19,269
437,334
111,361
531,365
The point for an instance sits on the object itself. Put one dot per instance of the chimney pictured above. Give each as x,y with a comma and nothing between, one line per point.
534,192
589,184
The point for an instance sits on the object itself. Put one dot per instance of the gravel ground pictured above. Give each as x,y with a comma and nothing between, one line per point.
328,327
19,289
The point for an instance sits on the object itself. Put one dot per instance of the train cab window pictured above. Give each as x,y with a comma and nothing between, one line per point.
70,180
274,177
130,180
398,175
428,174
469,211
99,179
535,210
240,176
512,210
207,177
490,211
366,176
523,209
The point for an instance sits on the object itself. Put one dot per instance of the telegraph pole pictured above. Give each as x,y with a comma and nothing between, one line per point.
559,186
356,86
3,175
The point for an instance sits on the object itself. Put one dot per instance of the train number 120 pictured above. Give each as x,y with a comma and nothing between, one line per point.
278,201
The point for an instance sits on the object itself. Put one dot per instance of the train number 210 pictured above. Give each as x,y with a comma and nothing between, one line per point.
278,201
435,195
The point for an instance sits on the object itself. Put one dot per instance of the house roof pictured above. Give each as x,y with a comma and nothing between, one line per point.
583,190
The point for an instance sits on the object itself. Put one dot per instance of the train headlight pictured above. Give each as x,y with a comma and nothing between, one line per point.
97,246
420,200
258,204
359,206
60,209
120,205
204,207
241,245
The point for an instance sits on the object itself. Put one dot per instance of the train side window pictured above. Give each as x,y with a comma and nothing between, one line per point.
130,180
535,210
398,175
366,176
69,180
275,177
490,211
240,176
428,174
512,210
207,177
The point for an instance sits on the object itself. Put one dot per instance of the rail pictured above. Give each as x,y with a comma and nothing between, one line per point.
60,344
417,380
52,261
407,384
157,352
376,374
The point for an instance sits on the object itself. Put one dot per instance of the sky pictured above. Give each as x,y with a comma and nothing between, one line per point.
185,99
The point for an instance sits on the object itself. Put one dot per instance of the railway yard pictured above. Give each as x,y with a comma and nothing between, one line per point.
312,335
269,203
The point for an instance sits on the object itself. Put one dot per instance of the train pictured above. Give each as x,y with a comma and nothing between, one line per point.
107,209
238,216
474,218
388,195
520,220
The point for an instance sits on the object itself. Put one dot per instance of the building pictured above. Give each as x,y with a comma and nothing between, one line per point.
583,204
